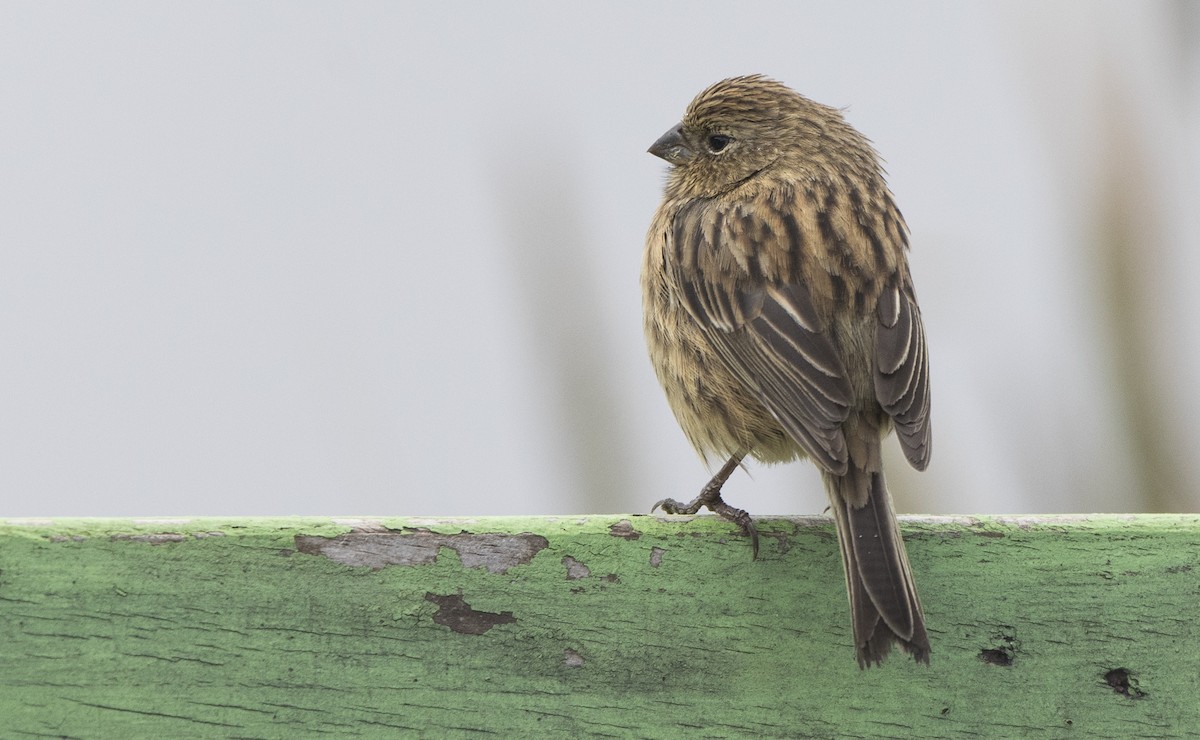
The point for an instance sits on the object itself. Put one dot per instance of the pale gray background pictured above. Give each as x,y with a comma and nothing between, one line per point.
382,258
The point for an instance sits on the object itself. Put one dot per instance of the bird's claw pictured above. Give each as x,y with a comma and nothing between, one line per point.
716,505
671,506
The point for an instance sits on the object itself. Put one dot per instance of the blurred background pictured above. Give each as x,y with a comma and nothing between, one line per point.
382,258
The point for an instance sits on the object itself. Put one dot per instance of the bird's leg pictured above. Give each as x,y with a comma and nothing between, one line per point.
710,497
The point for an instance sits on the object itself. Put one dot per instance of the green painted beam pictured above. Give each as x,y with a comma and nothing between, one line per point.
601,626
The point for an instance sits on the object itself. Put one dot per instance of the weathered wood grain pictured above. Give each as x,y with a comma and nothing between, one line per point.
598,626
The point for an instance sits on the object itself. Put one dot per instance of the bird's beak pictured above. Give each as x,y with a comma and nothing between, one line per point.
671,146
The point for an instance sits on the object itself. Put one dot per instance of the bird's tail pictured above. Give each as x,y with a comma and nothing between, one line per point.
883,597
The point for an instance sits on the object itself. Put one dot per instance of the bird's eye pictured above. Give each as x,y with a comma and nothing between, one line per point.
718,142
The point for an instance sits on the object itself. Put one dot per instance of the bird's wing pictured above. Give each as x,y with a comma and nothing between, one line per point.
902,370
768,332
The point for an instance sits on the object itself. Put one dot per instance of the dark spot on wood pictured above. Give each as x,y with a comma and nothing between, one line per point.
996,656
1124,682
656,556
624,529
1005,651
458,615
575,569
494,552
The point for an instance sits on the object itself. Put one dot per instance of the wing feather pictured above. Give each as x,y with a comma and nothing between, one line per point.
770,336
902,371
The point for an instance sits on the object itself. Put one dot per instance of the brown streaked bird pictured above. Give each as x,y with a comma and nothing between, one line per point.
782,323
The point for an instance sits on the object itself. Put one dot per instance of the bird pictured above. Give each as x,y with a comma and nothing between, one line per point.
781,320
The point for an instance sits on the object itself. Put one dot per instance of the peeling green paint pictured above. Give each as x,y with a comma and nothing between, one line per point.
588,626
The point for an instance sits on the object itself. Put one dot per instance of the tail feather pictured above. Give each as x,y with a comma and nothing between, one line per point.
884,604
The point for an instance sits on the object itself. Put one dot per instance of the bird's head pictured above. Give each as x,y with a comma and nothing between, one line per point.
744,126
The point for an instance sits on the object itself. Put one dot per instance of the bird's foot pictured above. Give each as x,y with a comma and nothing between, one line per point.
710,498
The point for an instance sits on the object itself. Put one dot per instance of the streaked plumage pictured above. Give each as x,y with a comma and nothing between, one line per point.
782,323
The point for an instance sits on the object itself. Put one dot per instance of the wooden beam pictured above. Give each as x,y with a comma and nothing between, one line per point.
1081,626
